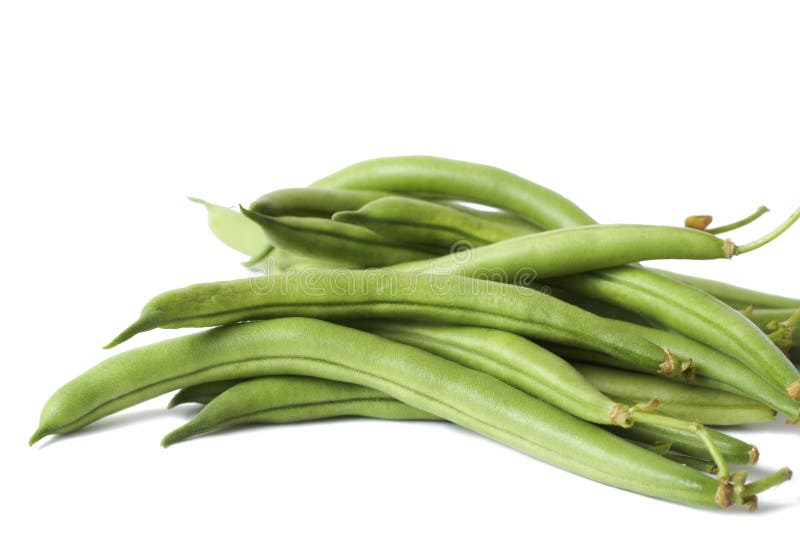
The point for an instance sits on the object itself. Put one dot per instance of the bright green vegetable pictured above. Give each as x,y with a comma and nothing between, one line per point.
424,381
637,289
379,293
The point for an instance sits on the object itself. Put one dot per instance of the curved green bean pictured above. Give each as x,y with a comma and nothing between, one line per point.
285,399
289,399
380,293
316,348
683,401
328,240
422,222
316,202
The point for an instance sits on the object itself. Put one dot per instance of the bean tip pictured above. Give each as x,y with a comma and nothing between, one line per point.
39,434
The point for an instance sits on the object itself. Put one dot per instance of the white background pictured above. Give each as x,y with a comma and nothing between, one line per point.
112,112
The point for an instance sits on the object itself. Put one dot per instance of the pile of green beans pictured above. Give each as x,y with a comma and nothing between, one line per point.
377,292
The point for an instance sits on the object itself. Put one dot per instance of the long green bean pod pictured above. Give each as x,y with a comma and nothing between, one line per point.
432,384
380,293
683,401
422,222
285,399
289,399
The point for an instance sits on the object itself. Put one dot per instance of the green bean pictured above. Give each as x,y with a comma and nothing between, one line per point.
706,319
422,175
347,244
694,463
613,284
390,294
583,248
421,222
284,399
288,399
516,361
434,385
734,450
683,401
734,296
317,202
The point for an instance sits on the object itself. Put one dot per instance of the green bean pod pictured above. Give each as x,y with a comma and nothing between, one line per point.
706,319
683,401
289,399
422,222
286,399
734,296
734,450
423,175
514,360
316,202
380,293
347,244
434,385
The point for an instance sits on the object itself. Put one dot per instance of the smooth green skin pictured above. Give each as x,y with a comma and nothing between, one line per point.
422,380
734,296
690,402
733,450
347,244
317,202
514,360
461,180
576,250
588,392
235,230
288,399
379,293
680,307
416,221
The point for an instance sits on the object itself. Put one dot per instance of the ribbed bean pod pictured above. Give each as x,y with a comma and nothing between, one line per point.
285,399
416,221
390,294
288,399
683,401
424,381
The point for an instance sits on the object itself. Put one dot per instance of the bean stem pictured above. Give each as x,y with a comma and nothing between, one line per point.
758,243
740,223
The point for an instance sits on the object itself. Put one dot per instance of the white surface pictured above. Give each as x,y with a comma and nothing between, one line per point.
111,113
